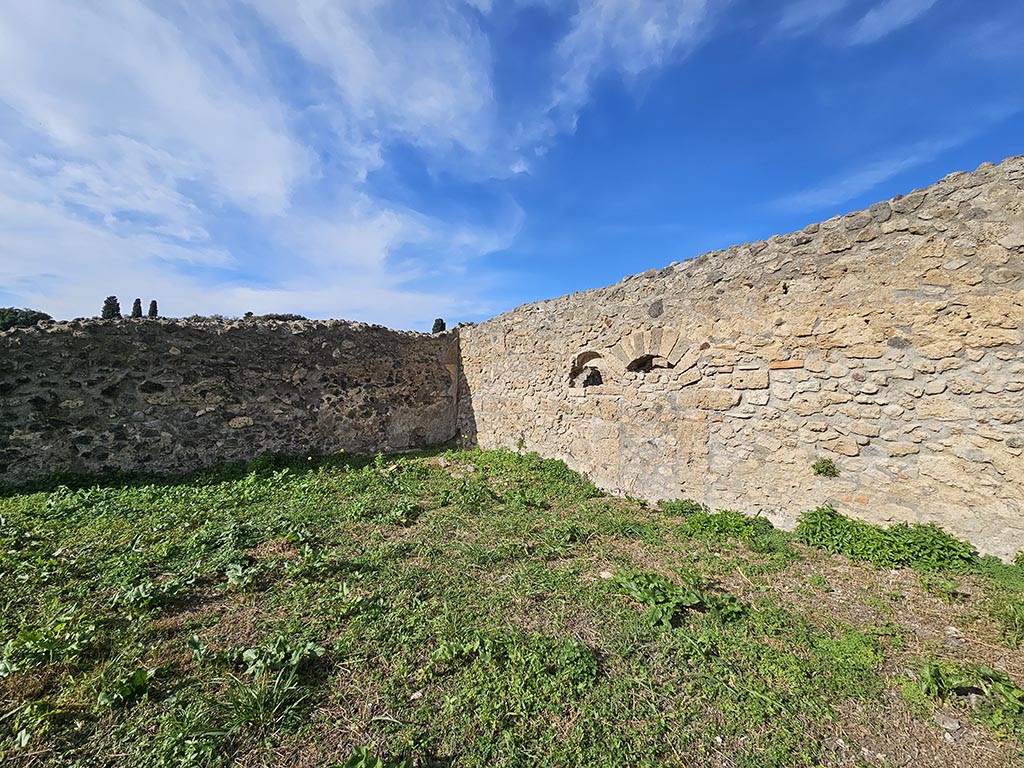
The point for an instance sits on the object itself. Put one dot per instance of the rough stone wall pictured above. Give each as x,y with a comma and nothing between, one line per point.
167,396
888,340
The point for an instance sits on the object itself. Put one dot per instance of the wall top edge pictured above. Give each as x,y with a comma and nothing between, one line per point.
1010,169
131,324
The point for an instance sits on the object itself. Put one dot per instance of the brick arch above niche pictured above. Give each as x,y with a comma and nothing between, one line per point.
644,349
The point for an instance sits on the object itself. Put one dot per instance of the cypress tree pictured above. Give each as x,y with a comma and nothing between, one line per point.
152,308
137,308
111,308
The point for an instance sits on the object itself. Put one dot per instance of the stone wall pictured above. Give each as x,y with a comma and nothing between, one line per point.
167,396
888,340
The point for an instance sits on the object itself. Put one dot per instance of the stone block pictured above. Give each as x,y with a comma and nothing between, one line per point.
683,356
865,351
942,410
940,349
1004,275
750,379
845,446
902,449
868,430
757,397
716,399
618,351
669,339
656,335
992,337
834,241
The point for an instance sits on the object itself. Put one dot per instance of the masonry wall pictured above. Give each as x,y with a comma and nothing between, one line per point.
169,396
888,340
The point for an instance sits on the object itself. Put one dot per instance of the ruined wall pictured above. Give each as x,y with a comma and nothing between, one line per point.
888,340
167,396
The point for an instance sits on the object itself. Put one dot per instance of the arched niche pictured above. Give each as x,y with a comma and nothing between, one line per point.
648,363
645,350
588,369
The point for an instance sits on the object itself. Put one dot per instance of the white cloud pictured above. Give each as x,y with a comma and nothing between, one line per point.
886,18
64,265
622,37
338,264
102,81
420,71
349,264
132,127
806,15
801,17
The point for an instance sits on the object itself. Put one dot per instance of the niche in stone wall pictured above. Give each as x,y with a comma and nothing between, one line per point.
645,350
648,363
588,370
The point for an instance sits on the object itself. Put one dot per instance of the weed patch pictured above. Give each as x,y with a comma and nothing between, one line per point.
667,602
924,547
997,700
756,533
825,468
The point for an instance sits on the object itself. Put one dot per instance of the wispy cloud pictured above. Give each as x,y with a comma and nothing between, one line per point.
419,70
886,18
847,22
845,187
804,16
625,38
118,84
998,41
225,153
842,188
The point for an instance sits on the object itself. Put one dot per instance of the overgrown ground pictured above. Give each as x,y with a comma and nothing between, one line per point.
487,609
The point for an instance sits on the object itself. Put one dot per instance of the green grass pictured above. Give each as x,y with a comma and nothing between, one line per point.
445,608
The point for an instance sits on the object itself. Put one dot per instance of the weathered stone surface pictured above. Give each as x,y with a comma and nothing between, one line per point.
886,337
834,241
902,449
940,349
845,446
715,399
992,337
750,380
173,395
688,377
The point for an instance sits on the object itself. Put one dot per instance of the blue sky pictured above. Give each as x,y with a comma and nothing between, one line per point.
393,161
